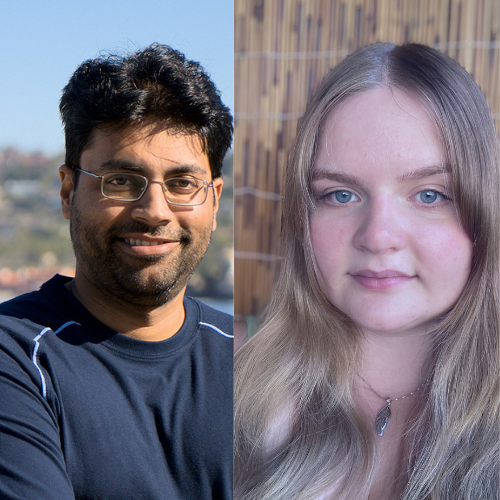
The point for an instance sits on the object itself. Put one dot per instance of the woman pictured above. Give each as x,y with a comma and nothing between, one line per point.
376,373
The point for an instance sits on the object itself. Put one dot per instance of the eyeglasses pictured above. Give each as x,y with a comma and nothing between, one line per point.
120,186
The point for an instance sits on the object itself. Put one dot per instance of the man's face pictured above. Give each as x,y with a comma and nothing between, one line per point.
144,251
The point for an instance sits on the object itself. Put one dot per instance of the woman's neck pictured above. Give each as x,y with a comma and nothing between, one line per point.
394,365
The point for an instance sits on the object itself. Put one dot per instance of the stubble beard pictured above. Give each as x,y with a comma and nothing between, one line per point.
148,281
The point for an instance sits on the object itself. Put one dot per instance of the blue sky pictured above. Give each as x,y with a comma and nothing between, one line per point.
44,41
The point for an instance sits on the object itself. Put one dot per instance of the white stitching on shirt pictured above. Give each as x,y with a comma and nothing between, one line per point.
217,330
65,325
35,360
34,357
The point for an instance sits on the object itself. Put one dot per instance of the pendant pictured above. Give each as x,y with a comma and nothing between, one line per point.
383,417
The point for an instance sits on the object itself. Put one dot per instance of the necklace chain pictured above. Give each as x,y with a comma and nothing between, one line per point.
393,399
384,415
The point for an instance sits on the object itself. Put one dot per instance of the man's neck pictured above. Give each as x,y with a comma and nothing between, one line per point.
133,320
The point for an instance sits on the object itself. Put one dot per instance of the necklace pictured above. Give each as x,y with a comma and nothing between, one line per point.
384,415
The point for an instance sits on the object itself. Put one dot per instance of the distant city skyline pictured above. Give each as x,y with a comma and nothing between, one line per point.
43,43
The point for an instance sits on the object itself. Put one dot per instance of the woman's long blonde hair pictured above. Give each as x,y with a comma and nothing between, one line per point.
297,428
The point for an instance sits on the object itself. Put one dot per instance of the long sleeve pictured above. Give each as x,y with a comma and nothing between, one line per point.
31,460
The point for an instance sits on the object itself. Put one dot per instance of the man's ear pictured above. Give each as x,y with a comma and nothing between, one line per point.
67,189
218,183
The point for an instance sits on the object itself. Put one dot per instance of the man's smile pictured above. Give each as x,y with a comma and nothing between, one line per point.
147,245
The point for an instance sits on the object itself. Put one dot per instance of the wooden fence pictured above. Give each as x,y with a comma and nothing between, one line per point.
283,48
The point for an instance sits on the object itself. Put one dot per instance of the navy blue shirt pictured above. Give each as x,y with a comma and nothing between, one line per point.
88,413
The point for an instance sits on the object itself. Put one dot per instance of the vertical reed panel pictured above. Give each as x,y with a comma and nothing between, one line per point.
283,48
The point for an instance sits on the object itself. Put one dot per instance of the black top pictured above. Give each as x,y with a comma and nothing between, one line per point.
88,413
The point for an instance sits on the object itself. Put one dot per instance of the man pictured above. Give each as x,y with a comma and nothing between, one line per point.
113,385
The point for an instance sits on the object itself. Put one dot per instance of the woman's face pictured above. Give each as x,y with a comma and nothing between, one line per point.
389,247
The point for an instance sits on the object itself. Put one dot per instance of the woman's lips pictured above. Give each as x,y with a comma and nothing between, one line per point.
380,280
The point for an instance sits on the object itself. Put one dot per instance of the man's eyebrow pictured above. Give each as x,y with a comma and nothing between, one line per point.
329,175
125,165
422,173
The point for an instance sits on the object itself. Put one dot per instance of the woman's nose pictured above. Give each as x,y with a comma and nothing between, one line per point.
380,229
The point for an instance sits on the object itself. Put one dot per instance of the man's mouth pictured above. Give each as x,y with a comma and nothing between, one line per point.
145,243
148,246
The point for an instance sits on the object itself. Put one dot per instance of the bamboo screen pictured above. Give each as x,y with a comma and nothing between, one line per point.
283,48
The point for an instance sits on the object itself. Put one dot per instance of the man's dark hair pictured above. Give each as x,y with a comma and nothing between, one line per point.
156,84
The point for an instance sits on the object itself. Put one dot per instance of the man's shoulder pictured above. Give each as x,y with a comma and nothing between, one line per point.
210,317
23,304
214,329
41,307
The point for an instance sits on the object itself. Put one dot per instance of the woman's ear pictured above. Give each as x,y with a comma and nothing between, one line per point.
67,187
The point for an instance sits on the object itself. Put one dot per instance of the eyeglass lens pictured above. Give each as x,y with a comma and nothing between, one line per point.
181,190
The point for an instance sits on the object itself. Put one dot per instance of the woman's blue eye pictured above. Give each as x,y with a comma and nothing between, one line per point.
429,196
343,196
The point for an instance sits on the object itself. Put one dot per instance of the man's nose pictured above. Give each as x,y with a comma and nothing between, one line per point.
153,208
381,229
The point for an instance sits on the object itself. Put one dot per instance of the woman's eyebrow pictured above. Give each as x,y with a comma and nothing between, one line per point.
329,175
422,173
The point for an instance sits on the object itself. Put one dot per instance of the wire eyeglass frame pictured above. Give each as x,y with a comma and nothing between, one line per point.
164,184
